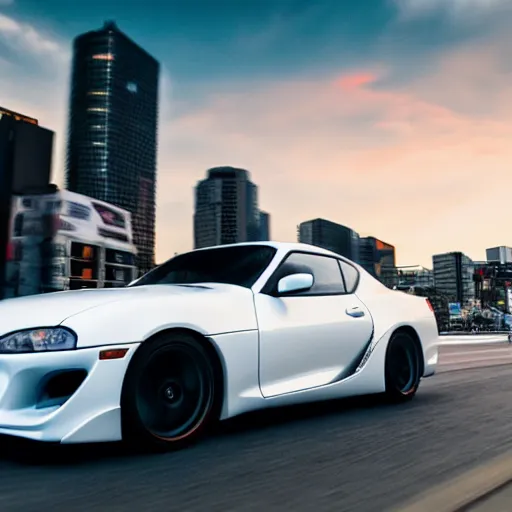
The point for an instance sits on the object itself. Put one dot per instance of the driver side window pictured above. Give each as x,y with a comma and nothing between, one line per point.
325,270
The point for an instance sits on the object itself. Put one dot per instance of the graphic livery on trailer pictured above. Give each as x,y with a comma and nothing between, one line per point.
67,241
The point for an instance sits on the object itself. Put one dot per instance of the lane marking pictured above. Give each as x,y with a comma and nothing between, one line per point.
493,349
452,368
464,489
473,360
476,355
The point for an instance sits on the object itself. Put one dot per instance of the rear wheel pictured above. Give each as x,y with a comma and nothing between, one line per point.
168,398
403,367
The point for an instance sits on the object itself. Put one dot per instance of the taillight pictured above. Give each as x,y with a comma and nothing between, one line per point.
430,305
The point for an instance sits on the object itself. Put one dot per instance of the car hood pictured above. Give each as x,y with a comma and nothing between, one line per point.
52,309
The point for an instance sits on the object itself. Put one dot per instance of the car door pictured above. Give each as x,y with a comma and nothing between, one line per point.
310,338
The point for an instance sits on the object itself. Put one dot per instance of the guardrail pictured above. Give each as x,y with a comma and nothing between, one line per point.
468,333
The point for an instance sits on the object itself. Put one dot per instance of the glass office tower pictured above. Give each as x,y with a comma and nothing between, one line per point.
226,209
112,139
331,236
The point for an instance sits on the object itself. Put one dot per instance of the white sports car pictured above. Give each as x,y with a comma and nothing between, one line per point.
208,335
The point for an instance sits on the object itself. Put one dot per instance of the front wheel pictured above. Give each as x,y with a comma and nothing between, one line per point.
168,397
403,368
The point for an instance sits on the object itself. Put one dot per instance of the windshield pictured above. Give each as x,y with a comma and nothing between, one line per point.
240,265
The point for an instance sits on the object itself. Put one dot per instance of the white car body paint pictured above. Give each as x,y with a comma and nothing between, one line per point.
274,351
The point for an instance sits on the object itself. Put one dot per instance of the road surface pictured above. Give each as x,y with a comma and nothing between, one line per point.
347,456
498,501
454,357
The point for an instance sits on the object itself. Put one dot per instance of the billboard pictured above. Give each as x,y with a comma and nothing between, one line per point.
455,309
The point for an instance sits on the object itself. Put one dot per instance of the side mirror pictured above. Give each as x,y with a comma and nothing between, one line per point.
295,283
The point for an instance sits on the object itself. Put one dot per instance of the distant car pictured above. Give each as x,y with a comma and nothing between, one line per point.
206,336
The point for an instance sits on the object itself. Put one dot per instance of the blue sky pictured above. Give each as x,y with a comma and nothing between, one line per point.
225,40
313,97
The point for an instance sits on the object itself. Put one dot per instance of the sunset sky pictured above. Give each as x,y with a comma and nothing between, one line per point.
393,117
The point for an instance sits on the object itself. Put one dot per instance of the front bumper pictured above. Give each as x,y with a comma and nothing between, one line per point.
38,401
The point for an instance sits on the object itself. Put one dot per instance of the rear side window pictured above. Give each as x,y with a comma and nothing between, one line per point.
325,270
351,276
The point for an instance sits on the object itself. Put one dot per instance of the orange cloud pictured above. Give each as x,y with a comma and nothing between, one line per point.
402,164
356,80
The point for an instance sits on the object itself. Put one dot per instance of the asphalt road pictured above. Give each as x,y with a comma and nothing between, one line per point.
356,455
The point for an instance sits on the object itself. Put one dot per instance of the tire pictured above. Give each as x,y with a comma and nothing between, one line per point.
169,396
402,368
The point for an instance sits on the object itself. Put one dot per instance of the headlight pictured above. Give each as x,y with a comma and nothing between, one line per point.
38,340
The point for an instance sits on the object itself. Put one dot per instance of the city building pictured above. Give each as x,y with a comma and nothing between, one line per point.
493,284
453,276
264,226
25,165
439,302
4,112
226,209
112,139
500,254
331,236
378,258
415,275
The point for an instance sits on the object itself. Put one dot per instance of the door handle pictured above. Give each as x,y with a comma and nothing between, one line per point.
355,312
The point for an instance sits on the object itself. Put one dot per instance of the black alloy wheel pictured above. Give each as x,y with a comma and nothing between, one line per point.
403,367
169,395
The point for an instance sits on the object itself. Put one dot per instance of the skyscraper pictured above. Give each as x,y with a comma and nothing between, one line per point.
264,226
453,276
112,139
331,236
226,209
378,258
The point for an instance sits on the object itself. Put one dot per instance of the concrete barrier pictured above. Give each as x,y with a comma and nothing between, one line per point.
470,339
467,333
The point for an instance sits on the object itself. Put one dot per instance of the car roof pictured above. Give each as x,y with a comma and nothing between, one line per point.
283,246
